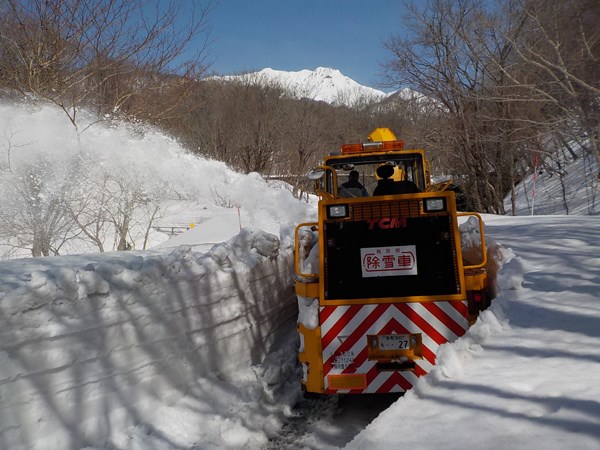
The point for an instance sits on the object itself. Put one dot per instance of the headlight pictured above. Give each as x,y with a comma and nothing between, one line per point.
337,211
434,204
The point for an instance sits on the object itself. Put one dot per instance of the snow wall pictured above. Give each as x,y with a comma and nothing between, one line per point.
84,350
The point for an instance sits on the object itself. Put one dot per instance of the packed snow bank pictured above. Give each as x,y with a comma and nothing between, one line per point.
91,346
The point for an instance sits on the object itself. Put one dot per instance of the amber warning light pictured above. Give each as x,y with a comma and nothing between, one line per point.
372,146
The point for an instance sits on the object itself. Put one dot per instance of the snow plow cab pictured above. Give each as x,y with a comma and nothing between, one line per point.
382,278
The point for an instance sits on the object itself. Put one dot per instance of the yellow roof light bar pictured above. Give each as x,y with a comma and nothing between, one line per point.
372,147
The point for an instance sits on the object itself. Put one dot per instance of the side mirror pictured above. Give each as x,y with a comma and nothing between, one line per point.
315,174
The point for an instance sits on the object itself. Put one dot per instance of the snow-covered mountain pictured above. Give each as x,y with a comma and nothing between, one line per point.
322,84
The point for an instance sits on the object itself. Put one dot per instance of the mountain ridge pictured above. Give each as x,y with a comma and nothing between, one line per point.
321,84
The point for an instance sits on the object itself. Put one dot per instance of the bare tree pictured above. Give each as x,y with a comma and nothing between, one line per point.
33,211
504,81
443,58
133,204
8,145
88,203
559,60
115,55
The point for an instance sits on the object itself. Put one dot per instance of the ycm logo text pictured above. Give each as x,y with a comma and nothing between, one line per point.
387,222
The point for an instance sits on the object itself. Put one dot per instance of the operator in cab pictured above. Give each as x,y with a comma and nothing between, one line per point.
386,185
353,187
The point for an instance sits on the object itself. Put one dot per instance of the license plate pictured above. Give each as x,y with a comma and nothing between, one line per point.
393,342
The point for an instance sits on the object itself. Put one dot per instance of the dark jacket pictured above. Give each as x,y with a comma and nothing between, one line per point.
354,184
387,186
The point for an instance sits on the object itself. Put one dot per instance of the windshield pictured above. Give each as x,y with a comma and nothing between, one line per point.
368,171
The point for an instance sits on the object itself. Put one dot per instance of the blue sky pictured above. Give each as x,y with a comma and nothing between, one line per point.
292,35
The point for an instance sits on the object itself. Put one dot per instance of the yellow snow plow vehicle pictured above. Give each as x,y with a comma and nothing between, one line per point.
382,277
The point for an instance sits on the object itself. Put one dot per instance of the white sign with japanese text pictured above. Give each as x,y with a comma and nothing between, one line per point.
389,261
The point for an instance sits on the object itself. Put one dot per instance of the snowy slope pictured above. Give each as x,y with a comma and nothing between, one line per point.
322,84
565,186
202,191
